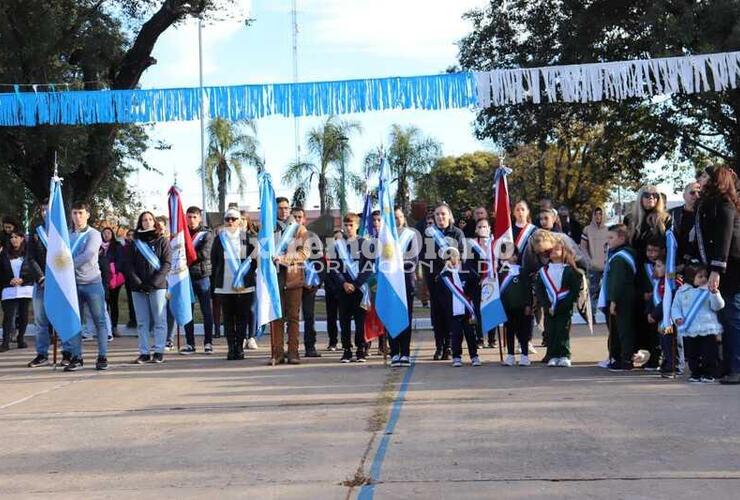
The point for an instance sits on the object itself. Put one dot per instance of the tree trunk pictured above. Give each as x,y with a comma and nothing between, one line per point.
222,187
322,194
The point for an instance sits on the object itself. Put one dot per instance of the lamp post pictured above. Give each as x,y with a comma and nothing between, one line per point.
202,120
343,139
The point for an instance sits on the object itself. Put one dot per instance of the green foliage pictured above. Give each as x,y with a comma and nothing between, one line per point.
328,149
231,146
461,181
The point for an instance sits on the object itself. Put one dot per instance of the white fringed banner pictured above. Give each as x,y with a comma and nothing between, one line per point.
572,83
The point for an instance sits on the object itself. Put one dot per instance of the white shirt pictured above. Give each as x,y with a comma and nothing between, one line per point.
17,292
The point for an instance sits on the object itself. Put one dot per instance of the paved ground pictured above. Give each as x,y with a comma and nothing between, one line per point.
201,426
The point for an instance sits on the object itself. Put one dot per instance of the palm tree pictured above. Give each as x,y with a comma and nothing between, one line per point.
328,146
410,156
231,146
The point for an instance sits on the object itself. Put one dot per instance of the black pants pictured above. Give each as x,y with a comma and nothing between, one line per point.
669,346
648,337
112,299
15,309
460,328
621,326
401,345
202,289
519,325
440,319
332,314
349,309
308,302
236,311
702,354
131,312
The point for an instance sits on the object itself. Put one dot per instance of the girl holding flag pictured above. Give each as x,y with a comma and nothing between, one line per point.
146,268
694,311
557,287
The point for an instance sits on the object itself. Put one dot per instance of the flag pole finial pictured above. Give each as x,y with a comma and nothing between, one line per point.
55,177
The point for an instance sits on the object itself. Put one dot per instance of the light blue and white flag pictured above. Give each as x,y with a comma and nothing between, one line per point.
179,285
390,298
671,246
60,289
268,291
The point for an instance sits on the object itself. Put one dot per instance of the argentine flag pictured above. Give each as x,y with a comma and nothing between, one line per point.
390,298
60,288
181,247
268,291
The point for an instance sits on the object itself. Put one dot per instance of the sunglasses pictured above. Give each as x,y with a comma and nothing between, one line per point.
650,195
231,218
694,193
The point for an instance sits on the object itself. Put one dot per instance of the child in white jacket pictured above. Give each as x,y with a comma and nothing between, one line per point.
694,311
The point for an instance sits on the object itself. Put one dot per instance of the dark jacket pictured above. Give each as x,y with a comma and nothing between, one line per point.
683,223
429,255
572,281
6,271
140,275
518,293
338,273
573,228
621,280
36,255
202,267
470,280
718,239
218,262
644,234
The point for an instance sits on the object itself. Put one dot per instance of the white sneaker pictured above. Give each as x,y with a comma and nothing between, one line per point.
475,361
553,362
524,361
252,344
604,364
531,349
396,361
457,362
564,362
509,360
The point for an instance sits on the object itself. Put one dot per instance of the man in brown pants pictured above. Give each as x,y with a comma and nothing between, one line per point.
289,262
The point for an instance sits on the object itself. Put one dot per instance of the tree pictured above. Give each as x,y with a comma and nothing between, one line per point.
410,156
229,149
529,33
328,144
80,44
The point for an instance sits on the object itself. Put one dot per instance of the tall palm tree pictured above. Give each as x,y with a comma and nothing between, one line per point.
327,146
409,157
231,146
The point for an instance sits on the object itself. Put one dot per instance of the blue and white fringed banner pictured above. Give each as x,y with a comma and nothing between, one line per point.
594,82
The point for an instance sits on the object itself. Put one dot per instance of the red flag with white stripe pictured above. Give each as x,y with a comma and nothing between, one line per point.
502,233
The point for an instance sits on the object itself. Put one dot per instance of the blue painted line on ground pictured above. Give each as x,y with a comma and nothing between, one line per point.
368,491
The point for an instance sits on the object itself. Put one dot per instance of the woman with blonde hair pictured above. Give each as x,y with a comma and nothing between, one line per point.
649,219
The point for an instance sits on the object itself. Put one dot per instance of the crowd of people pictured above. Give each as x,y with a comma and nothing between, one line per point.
552,266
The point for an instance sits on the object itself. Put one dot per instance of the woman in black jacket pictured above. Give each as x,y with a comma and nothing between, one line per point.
112,250
718,240
16,280
146,267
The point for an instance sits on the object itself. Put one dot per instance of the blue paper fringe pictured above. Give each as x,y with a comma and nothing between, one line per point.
444,91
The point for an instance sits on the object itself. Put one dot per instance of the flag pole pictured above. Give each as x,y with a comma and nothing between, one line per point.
500,344
54,356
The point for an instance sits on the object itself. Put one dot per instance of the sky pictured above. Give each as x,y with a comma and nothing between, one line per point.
337,40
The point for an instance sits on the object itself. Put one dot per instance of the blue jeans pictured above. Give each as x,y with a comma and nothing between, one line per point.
92,295
41,321
730,318
151,313
202,289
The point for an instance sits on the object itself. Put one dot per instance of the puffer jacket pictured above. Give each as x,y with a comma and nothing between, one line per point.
140,275
201,268
706,321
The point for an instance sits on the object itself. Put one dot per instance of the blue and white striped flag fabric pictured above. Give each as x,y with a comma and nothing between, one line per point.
390,298
60,289
671,246
178,280
268,291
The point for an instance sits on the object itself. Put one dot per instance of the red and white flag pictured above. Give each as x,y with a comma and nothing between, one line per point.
502,233
183,255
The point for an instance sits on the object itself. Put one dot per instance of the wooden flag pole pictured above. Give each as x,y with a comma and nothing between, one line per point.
500,344
54,355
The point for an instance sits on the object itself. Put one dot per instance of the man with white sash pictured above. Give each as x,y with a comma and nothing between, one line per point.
408,243
36,257
85,246
289,258
350,269
233,270
438,237
200,277
311,282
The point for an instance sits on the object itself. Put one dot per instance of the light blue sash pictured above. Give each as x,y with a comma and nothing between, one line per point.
239,268
694,310
148,254
43,237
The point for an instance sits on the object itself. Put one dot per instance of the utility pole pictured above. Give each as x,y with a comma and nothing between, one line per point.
202,120
343,178
296,124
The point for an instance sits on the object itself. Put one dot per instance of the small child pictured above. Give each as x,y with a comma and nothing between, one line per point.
516,295
458,307
557,288
648,341
694,310
617,297
654,310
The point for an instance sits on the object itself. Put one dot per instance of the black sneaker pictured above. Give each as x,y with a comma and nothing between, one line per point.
143,358
158,358
614,366
331,347
361,356
188,349
312,353
38,361
101,363
169,345
446,354
346,356
66,358
405,361
437,355
208,349
74,365
694,380
131,324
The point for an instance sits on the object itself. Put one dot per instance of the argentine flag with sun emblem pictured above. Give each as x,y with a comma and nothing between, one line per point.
60,288
390,298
